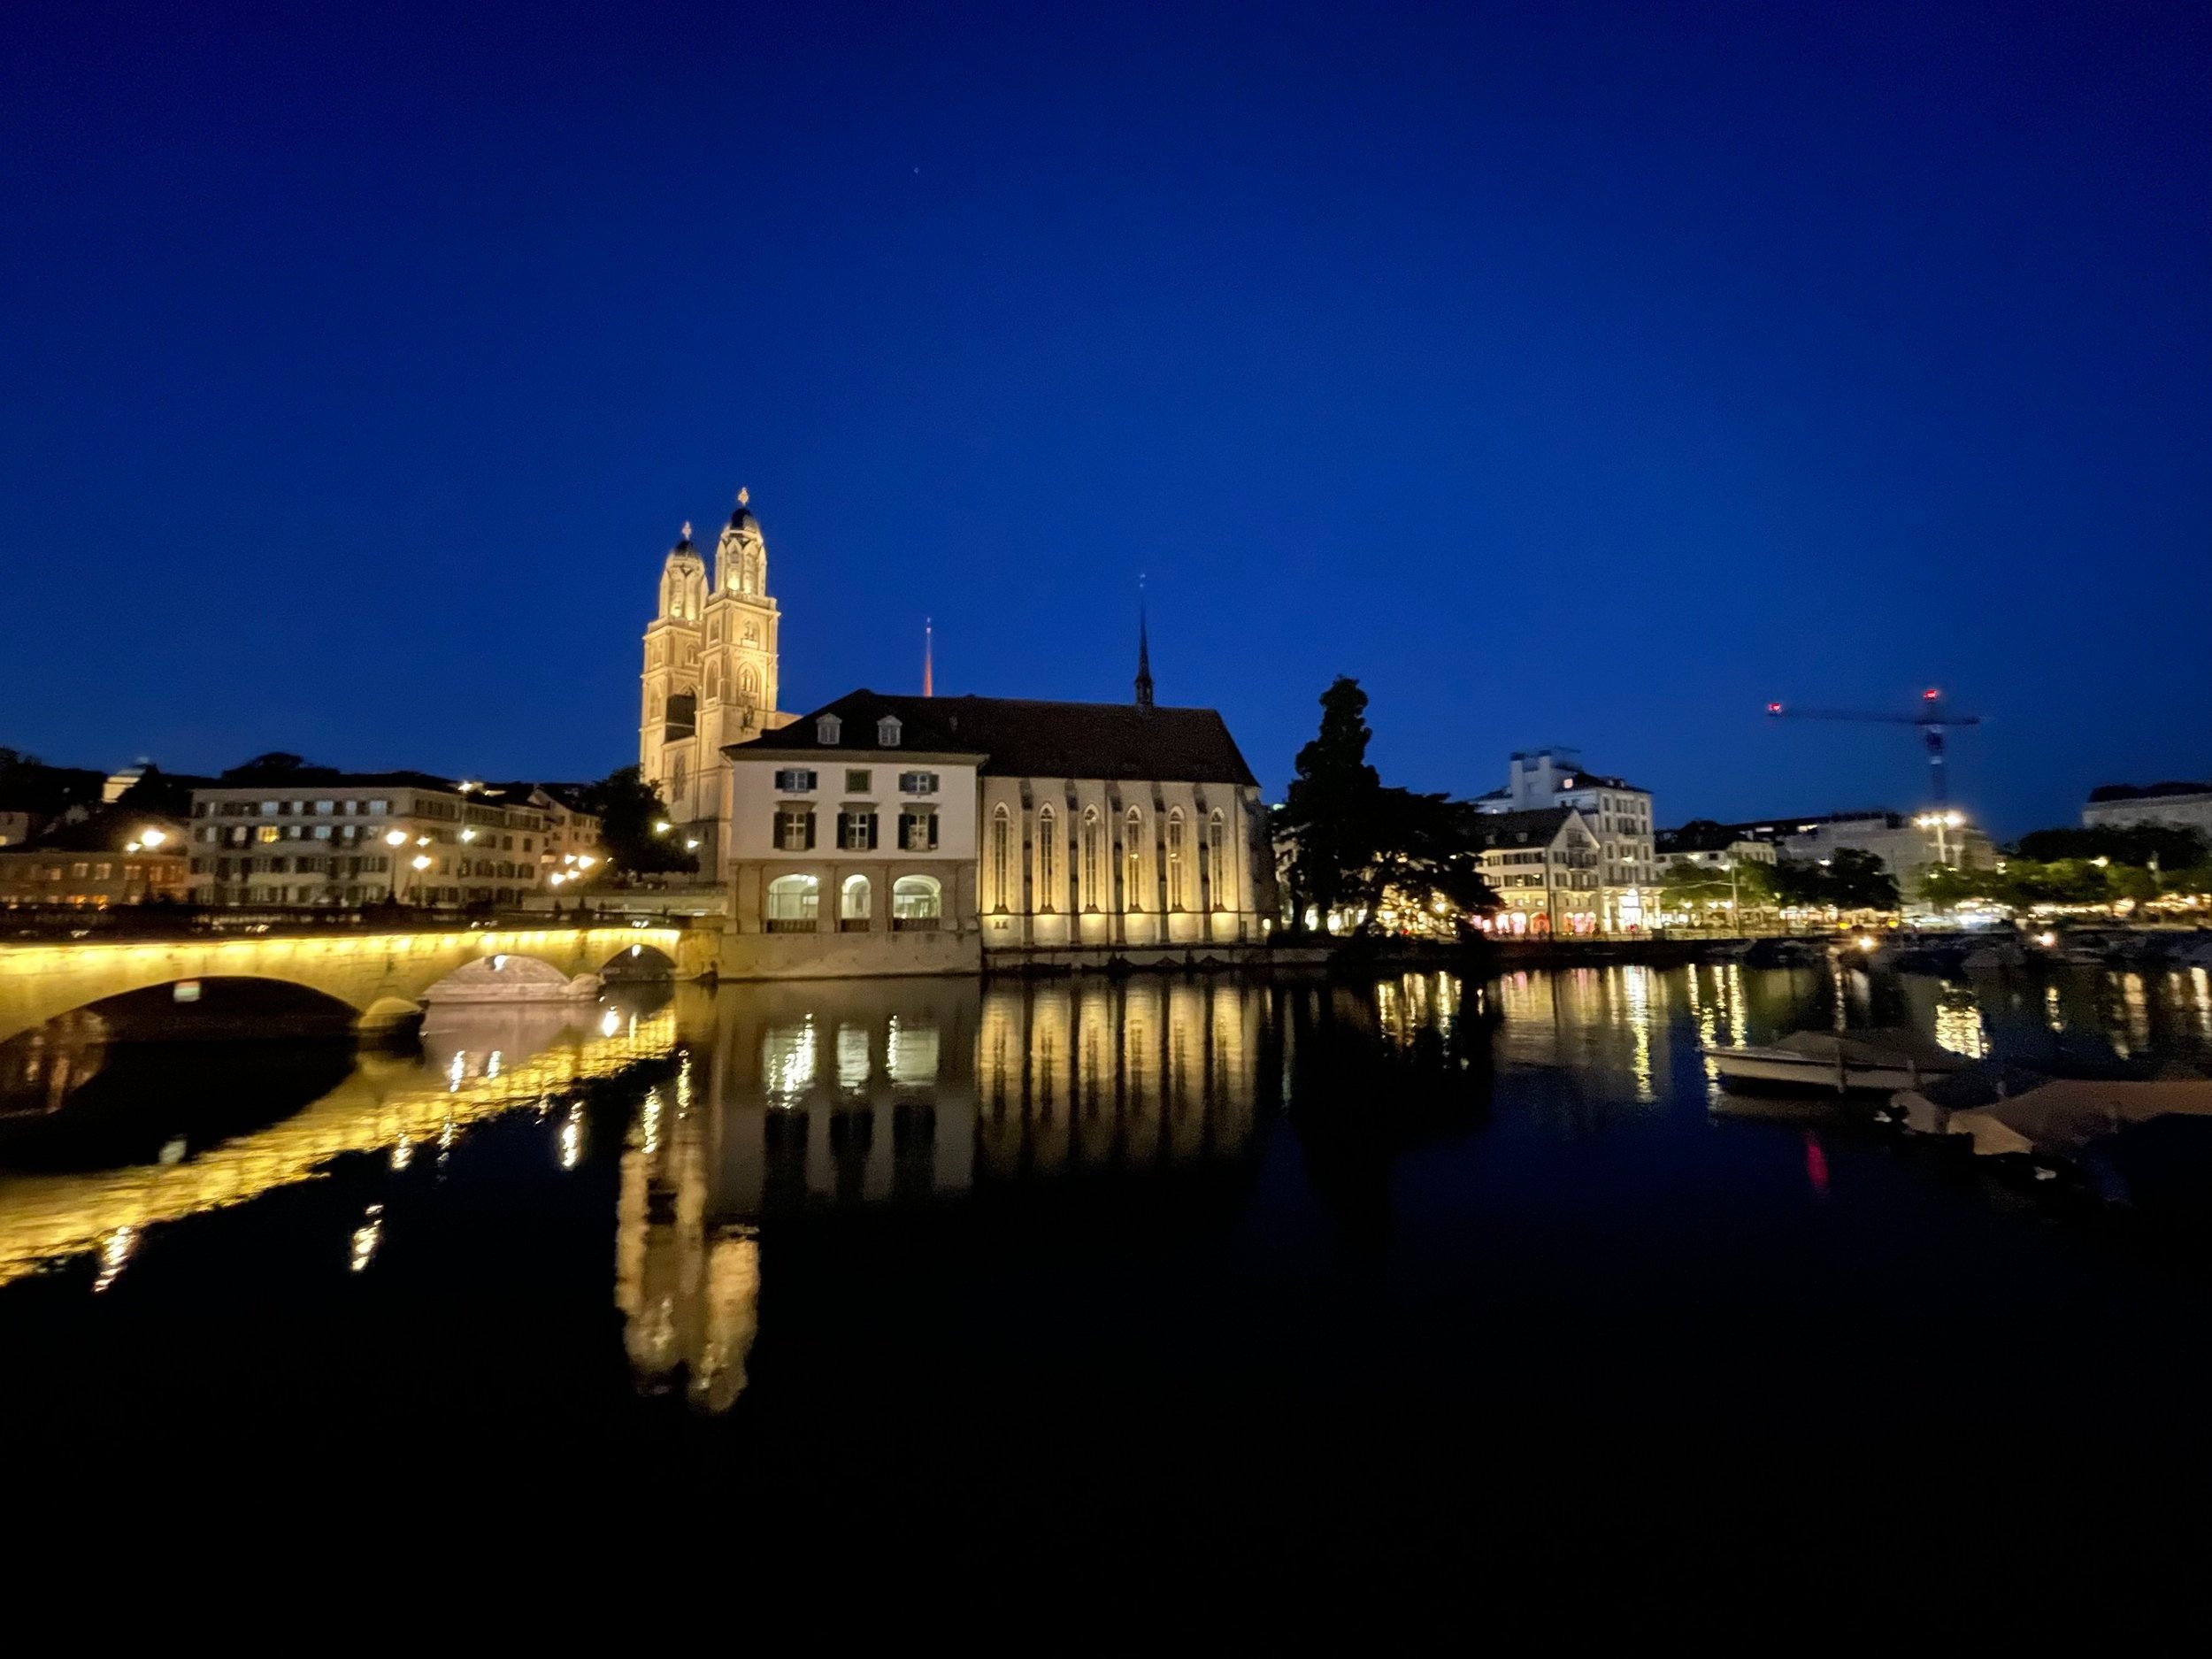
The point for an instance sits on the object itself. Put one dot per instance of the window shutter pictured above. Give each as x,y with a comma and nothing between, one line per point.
933,832
874,819
810,831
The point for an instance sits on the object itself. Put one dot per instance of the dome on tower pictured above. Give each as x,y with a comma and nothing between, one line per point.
683,552
742,518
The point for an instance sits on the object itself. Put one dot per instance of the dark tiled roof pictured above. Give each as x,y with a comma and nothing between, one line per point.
1019,738
570,796
331,778
1537,829
2145,791
106,829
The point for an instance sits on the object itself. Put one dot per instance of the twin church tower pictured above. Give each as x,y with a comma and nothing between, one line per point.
709,677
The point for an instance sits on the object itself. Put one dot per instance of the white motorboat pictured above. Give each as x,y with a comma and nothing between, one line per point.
1836,1063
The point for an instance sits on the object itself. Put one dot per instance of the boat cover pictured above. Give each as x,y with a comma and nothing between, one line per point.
2062,1116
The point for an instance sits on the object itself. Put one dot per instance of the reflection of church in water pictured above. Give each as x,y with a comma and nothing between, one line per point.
912,1090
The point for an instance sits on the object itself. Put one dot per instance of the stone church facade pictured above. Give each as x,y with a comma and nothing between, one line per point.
888,834
709,679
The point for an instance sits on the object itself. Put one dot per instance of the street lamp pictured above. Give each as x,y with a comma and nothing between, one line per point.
1940,822
395,838
153,837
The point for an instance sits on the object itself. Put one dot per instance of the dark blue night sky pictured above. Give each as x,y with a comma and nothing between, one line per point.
1568,374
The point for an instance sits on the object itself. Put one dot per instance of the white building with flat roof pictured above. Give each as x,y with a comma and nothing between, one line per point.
1617,812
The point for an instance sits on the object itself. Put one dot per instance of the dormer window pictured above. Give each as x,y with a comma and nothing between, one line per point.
827,729
887,732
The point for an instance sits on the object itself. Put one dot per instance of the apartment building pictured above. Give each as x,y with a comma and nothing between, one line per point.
1547,868
1616,812
314,836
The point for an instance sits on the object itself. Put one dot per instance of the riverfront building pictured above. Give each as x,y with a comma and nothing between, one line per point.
886,834
321,837
2167,805
94,858
1619,812
1547,868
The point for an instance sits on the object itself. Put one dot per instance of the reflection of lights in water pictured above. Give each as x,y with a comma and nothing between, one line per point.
852,1058
651,1124
458,1070
368,1236
2135,996
1703,1009
573,1137
1738,1007
787,1062
449,1132
491,1065
2200,989
115,1255
1958,1022
403,1152
1637,982
683,1083
610,1023
2052,1017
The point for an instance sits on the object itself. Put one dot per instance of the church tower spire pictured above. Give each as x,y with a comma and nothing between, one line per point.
929,640
1144,661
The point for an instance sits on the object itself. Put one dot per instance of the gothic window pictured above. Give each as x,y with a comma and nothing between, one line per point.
653,707
1001,857
683,715
1133,861
1175,859
1048,865
752,633
1216,838
714,682
1094,832
676,778
747,687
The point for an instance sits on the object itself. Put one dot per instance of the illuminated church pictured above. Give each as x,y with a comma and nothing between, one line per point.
710,678
890,833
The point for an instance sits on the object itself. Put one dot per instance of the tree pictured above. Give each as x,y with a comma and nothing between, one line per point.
2139,845
1330,813
1860,881
276,764
628,808
1426,858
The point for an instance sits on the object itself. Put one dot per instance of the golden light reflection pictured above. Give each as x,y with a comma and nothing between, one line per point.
366,1237
1959,1025
386,1106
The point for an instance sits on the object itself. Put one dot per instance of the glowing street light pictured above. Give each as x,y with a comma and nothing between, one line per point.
395,838
153,837
660,826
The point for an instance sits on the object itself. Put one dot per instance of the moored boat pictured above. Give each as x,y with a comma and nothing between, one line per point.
1879,1062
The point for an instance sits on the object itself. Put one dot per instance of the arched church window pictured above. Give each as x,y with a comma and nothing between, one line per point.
1047,866
1216,837
1175,860
748,687
676,778
1093,833
1002,857
1133,861
714,682
752,633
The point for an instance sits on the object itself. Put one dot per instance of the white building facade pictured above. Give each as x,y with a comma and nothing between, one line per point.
1545,866
2164,805
1618,813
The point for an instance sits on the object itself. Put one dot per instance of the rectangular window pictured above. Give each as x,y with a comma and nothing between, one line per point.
857,830
917,830
858,782
917,783
795,780
795,829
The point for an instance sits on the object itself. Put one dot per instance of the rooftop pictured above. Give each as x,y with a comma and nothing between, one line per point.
1023,738
2146,791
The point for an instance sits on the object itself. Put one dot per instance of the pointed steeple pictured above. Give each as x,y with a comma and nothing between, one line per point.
1144,661
928,640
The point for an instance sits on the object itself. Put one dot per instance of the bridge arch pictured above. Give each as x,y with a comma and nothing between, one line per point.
378,976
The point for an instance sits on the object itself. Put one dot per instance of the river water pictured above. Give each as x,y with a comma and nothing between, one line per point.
1222,1261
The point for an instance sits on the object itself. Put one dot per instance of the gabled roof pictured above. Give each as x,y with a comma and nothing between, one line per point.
1537,829
1016,737
331,778
103,829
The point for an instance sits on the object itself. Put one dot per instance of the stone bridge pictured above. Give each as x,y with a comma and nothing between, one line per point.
382,977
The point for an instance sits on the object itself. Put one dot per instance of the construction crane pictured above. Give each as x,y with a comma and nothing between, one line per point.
1932,717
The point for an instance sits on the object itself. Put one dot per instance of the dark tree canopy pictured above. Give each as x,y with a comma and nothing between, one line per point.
2141,845
628,808
277,763
1353,839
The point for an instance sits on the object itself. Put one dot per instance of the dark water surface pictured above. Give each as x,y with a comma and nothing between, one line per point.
1388,1268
